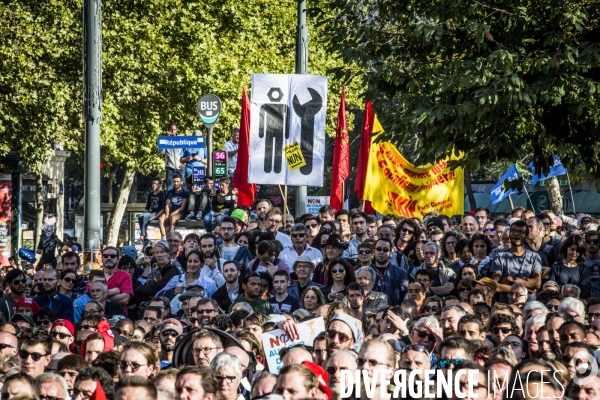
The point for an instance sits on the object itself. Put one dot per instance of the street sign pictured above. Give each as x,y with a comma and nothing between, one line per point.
180,142
219,164
209,109
198,176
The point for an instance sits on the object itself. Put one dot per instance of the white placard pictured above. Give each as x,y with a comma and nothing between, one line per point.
287,109
273,341
314,203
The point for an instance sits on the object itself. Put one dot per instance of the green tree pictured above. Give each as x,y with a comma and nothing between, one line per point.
490,79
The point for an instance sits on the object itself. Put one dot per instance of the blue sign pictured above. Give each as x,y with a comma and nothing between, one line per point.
180,142
556,170
498,193
198,176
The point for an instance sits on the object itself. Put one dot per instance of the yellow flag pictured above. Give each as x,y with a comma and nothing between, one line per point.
395,186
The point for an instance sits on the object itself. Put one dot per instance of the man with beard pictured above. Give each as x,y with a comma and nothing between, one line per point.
342,360
518,295
535,243
61,304
213,265
343,333
416,293
355,296
120,286
205,309
449,319
359,224
443,277
252,287
517,265
300,247
550,232
274,221
17,281
262,208
230,250
230,291
282,302
170,330
391,279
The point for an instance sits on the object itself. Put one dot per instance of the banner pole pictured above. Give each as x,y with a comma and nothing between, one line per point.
531,202
285,191
512,206
571,190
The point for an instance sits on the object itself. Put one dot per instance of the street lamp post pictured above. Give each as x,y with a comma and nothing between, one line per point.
301,68
92,114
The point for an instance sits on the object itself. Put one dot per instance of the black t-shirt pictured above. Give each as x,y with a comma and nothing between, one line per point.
48,246
156,202
220,201
288,305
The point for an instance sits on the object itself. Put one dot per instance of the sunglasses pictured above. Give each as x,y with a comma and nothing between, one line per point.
60,335
34,356
372,363
431,308
463,289
298,235
194,321
134,366
552,307
445,362
416,347
503,329
342,337
206,311
407,230
325,230
338,271
309,226
489,230
19,281
425,334
592,241
109,256
44,322
169,333
382,249
511,344
364,252
68,280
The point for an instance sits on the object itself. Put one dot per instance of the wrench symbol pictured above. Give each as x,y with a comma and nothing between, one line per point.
307,112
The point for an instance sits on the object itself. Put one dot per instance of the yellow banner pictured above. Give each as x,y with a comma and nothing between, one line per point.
395,186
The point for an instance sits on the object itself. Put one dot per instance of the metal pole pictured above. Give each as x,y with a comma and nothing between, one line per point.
92,114
301,68
209,151
571,190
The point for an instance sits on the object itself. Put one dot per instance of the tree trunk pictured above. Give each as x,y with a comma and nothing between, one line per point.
39,207
116,216
111,183
556,201
472,201
133,191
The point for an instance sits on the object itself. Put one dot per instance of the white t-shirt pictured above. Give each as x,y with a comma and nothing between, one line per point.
229,252
230,146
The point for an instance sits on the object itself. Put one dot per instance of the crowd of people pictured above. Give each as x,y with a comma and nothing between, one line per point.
513,300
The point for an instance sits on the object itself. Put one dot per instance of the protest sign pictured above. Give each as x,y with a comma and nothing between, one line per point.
314,203
273,341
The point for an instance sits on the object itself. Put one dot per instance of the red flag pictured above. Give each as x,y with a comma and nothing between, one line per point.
341,157
246,191
363,156
98,393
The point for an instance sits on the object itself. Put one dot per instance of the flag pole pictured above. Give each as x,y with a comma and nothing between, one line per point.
285,191
527,193
571,190
512,206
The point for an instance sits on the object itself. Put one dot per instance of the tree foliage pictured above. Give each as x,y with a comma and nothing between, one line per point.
491,79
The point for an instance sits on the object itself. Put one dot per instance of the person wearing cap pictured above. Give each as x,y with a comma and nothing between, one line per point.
488,286
231,147
282,301
240,215
322,378
229,250
343,333
63,331
170,331
23,321
300,247
304,268
334,248
27,306
297,382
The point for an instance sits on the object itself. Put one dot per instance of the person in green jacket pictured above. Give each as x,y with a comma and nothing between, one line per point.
251,285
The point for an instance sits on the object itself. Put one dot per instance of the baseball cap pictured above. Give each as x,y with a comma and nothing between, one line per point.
492,284
187,295
130,251
171,324
107,334
22,317
67,324
240,215
28,302
321,375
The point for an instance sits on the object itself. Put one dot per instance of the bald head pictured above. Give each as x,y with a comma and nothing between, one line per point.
11,340
296,355
467,307
240,353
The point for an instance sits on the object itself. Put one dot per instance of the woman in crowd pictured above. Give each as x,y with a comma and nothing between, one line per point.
365,254
194,261
571,268
247,240
162,253
339,277
311,299
407,231
449,240
431,306
228,372
137,359
480,246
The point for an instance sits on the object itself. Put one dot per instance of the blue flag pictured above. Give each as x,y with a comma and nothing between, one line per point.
556,170
498,193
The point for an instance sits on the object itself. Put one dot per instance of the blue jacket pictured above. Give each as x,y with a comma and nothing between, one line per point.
61,304
393,283
294,289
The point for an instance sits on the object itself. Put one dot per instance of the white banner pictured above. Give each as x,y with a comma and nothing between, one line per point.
287,110
275,340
